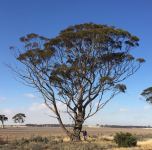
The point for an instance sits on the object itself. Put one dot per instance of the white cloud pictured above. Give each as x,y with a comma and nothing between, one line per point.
123,109
30,95
147,107
61,106
39,113
7,111
38,107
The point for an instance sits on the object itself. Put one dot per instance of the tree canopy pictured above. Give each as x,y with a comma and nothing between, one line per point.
82,68
147,93
3,118
19,118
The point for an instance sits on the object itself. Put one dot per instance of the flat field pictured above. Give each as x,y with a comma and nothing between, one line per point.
20,132
101,136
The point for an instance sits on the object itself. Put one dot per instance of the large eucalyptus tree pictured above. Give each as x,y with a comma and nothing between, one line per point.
83,68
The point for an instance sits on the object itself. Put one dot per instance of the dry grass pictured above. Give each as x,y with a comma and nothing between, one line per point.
145,145
49,131
101,138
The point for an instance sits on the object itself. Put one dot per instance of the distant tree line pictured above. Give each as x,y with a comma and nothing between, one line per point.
48,125
123,126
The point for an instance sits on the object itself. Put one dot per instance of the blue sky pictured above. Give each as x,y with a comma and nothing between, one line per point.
48,17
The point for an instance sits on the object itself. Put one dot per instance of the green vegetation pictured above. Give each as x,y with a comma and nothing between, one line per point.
147,93
3,118
40,143
78,68
125,139
19,118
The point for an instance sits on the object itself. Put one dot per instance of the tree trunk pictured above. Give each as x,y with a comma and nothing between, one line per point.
2,124
75,135
77,131
78,127
79,119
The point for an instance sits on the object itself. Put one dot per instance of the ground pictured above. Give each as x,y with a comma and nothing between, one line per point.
98,138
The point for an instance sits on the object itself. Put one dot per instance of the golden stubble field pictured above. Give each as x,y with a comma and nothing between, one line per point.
104,135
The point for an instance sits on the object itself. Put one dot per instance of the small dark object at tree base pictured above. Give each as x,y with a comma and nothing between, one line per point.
84,135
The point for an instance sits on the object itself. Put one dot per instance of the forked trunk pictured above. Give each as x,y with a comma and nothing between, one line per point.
76,132
75,135
78,127
79,119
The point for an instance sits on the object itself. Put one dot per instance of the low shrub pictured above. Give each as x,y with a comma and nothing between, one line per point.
39,139
3,142
125,139
35,146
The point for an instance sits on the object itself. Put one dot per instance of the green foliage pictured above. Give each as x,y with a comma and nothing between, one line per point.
78,68
147,93
141,60
121,87
3,118
36,139
39,139
19,118
125,139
